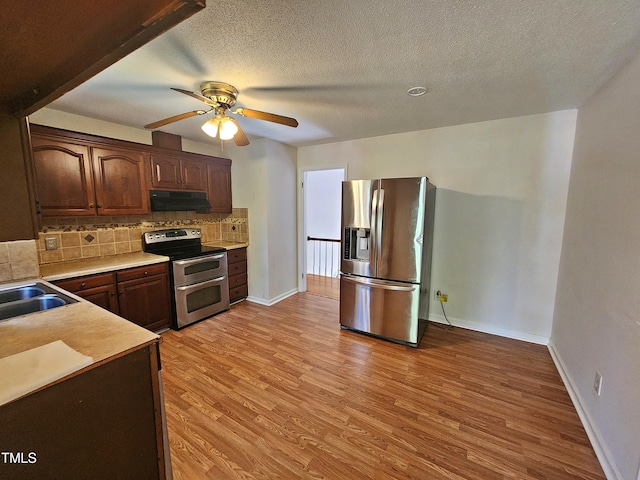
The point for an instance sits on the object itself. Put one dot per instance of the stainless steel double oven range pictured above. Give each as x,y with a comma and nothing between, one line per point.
200,286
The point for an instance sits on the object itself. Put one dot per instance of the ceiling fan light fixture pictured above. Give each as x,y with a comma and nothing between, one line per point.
210,127
227,128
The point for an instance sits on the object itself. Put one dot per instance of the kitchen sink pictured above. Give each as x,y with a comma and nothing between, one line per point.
19,293
30,298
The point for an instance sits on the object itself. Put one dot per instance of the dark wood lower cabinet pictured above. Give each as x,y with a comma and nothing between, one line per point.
140,294
237,271
105,423
143,296
98,289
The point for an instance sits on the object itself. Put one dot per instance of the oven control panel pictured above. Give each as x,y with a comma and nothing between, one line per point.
161,236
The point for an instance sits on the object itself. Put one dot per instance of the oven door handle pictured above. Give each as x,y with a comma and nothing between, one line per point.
206,283
186,263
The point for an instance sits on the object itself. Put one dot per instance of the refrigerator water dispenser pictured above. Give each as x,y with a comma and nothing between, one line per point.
356,244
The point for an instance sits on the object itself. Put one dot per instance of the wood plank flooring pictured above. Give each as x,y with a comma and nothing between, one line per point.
282,393
323,286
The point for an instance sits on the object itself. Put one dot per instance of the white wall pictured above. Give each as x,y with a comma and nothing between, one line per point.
281,199
323,190
597,312
264,179
249,189
499,212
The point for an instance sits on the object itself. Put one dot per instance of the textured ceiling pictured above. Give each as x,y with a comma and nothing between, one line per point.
342,68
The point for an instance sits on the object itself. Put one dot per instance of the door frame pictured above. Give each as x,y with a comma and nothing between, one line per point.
302,221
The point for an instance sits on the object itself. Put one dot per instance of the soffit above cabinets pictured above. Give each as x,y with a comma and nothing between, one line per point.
50,47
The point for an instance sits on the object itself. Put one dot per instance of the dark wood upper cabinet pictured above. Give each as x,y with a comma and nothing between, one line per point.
219,186
49,48
120,182
82,174
172,172
64,180
178,170
194,174
165,172
76,177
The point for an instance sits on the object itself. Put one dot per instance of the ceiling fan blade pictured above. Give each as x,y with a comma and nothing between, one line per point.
269,117
240,138
194,95
175,118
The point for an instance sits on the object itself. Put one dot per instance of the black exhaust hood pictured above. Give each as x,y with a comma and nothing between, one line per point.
169,201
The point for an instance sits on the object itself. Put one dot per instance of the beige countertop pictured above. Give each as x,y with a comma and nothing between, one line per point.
86,328
226,244
90,266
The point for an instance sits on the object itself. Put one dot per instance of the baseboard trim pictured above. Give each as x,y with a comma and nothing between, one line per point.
273,301
501,332
604,457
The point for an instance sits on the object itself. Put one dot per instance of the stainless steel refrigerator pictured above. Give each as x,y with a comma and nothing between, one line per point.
387,237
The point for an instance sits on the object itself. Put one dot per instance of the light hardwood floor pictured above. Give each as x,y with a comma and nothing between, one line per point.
323,286
282,393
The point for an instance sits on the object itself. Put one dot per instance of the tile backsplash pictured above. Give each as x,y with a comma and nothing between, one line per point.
18,260
86,237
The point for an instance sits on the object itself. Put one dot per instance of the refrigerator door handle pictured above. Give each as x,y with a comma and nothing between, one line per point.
379,226
374,228
387,285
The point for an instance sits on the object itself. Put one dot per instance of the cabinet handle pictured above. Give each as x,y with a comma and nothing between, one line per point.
99,206
146,273
91,205
83,284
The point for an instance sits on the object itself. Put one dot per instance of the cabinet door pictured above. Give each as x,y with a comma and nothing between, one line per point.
219,187
194,175
104,297
165,172
120,182
98,289
64,179
145,301
237,269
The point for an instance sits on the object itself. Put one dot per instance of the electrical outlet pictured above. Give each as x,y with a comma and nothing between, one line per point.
597,383
440,296
51,243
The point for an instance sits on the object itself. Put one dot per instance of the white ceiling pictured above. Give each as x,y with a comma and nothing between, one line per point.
342,68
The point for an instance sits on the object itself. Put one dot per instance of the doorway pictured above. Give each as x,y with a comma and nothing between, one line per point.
322,190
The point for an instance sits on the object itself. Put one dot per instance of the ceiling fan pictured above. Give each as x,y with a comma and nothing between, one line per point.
220,97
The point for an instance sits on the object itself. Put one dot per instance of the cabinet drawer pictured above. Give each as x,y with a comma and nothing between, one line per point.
237,280
238,293
237,268
83,283
141,272
236,255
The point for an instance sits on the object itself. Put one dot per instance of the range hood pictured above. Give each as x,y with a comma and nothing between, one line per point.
169,201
